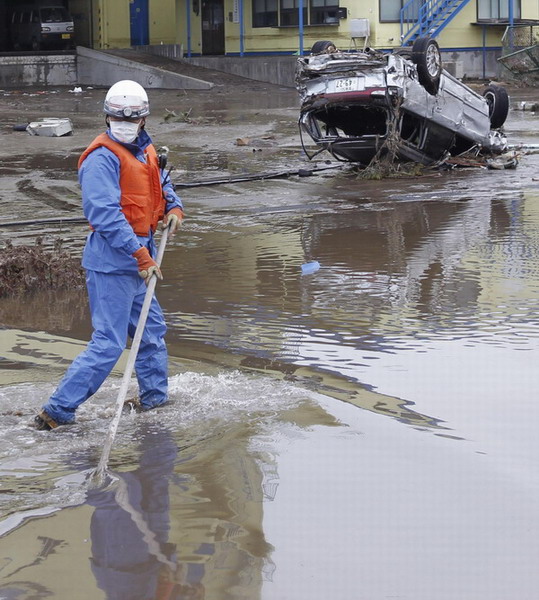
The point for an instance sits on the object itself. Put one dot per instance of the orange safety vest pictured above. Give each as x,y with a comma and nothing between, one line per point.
142,200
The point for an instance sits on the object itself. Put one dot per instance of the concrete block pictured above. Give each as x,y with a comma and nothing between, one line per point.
21,71
102,69
455,68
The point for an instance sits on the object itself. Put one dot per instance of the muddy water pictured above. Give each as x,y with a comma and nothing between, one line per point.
365,430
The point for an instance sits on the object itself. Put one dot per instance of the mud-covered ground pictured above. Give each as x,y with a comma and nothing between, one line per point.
364,430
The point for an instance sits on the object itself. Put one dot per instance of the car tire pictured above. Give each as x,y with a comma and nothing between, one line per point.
36,46
426,55
498,105
323,46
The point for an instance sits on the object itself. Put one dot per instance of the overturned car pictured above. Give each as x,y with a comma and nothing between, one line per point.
363,104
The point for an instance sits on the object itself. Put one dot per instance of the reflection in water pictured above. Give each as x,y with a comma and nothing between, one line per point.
393,275
131,555
47,310
426,287
184,516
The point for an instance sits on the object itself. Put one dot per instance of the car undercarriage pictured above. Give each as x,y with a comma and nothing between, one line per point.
363,105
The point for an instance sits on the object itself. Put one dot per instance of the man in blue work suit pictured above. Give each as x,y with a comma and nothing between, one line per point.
124,195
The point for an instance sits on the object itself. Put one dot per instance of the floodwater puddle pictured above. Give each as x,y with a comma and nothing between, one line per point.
323,424
183,507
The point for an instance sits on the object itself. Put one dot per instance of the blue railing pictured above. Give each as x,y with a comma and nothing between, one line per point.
427,18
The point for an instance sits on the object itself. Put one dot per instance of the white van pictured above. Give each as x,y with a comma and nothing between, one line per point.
42,27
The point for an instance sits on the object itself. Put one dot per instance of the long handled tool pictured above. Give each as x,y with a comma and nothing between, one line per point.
99,474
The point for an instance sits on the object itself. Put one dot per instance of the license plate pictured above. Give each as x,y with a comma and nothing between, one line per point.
350,84
66,36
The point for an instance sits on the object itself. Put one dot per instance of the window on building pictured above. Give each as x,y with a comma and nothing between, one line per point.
488,10
289,14
390,10
265,13
324,12
285,13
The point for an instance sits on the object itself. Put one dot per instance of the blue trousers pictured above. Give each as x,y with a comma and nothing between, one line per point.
115,305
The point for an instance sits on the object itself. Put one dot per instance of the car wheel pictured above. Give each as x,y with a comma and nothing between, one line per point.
498,105
323,46
35,45
426,55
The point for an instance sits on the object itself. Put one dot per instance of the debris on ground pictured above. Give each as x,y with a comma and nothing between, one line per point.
171,116
526,106
466,161
20,127
384,167
524,149
29,268
50,127
265,141
508,160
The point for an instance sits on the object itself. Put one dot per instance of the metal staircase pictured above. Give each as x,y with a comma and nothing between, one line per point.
427,18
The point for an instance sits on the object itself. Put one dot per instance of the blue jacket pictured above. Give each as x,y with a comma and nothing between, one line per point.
110,246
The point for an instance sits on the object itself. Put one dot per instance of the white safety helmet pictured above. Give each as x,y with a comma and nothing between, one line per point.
127,99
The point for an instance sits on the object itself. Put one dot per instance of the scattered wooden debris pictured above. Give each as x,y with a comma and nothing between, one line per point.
265,141
28,268
171,116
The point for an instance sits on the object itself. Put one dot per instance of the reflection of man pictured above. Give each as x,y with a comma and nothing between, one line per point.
131,558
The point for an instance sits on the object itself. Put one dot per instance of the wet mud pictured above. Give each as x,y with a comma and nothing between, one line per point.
366,430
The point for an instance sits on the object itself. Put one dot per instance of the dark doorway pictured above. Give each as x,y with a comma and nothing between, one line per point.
5,19
213,27
139,16
7,7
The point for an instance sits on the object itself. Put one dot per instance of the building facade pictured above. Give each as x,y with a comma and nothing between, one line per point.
256,27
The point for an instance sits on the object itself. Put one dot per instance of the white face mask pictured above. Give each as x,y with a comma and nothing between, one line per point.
124,131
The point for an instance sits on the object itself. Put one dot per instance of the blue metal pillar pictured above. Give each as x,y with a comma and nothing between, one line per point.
188,21
484,28
300,27
242,32
511,15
